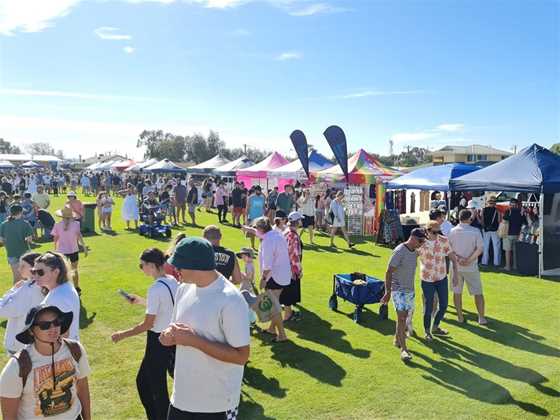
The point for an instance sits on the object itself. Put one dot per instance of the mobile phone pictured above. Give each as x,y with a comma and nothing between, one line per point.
125,295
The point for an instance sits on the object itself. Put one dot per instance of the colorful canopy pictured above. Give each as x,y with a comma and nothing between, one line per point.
209,165
431,178
139,166
232,167
122,165
261,169
294,170
164,166
363,168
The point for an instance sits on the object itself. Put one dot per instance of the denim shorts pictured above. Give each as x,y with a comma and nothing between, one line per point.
403,300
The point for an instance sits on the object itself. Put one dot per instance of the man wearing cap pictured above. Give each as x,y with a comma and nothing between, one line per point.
491,219
399,284
466,242
226,263
209,327
16,235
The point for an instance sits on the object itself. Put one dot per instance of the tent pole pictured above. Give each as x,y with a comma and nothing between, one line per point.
541,233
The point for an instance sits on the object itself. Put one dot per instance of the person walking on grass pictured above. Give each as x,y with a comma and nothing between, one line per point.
226,263
221,200
338,219
255,209
399,285
180,191
192,201
433,275
151,380
67,241
307,207
491,219
291,295
16,235
130,211
466,242
210,329
516,219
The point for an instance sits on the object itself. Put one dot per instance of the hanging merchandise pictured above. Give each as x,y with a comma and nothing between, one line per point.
390,229
424,200
413,203
379,203
354,198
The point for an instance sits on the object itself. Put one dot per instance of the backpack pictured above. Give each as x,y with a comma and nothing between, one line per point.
24,361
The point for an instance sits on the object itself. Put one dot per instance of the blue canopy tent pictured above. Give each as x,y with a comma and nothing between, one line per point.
431,178
533,170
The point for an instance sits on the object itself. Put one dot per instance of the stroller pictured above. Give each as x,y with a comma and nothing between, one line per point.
153,222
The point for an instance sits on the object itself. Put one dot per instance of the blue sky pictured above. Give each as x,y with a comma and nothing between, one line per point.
88,76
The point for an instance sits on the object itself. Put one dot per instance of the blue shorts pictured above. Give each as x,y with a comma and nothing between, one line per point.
13,260
403,301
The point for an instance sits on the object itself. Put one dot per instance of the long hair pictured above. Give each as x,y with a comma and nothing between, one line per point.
56,260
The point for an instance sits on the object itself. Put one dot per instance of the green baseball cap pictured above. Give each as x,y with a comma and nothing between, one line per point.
193,254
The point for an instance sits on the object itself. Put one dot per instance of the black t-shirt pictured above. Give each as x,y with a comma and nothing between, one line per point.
7,188
192,197
237,197
516,220
491,219
225,261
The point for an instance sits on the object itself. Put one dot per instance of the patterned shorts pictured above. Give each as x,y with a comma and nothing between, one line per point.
232,414
403,301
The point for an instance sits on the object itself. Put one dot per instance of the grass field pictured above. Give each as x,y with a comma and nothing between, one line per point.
333,368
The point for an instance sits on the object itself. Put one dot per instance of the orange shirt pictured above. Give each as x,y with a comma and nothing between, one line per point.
432,259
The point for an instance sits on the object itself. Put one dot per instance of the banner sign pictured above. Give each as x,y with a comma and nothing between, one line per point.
300,145
337,141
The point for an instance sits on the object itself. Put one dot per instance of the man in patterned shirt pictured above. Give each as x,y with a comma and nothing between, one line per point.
433,273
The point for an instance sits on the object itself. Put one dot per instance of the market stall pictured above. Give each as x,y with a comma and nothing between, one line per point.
258,174
165,166
294,170
533,170
122,165
231,168
138,167
208,166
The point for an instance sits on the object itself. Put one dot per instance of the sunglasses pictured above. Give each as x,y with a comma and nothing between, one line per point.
38,272
46,325
434,231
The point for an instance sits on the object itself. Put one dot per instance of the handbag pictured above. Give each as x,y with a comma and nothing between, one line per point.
267,306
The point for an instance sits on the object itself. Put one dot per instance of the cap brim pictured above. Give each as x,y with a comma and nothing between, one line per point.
66,317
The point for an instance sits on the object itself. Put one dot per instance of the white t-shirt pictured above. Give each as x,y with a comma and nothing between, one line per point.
159,303
38,400
338,211
15,306
65,298
218,313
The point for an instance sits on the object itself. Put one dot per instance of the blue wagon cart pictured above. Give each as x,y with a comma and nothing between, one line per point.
358,293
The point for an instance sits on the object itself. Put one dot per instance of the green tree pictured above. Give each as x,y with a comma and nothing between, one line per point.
556,148
160,145
6,147
40,148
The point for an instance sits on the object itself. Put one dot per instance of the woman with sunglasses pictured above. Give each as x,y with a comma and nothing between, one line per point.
51,271
48,378
17,302
433,273
151,380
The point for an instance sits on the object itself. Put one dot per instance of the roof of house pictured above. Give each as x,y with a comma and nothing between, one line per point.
474,149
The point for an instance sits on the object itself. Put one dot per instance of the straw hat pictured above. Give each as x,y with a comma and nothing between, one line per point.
65,213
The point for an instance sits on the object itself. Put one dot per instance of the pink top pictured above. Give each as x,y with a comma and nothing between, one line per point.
66,240
219,196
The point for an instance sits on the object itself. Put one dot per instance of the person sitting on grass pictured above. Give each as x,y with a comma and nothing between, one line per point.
399,284
48,378
151,380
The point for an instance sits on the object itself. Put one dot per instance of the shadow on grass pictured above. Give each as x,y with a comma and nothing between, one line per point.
371,319
255,378
314,328
85,321
250,409
451,349
454,377
508,334
310,362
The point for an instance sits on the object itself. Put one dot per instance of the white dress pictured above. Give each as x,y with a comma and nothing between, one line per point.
130,208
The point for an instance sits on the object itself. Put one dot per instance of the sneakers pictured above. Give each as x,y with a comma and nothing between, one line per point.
406,356
439,331
428,337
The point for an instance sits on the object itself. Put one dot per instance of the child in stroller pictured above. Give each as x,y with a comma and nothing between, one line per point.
153,218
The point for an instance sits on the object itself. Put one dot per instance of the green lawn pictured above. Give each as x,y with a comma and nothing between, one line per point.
334,368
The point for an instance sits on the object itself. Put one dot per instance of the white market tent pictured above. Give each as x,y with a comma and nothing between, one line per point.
4,164
30,164
106,166
25,157
294,170
230,169
164,166
209,165
141,165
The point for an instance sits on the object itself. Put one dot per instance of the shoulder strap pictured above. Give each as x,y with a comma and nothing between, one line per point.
75,349
169,289
24,363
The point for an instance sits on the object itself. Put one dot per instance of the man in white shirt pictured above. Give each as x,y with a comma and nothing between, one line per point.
466,241
210,329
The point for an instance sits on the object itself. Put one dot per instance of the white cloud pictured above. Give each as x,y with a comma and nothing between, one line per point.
451,128
128,49
68,94
241,32
110,33
31,15
436,136
289,55
370,93
317,8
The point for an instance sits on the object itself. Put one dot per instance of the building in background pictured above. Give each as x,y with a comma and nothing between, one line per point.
475,153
